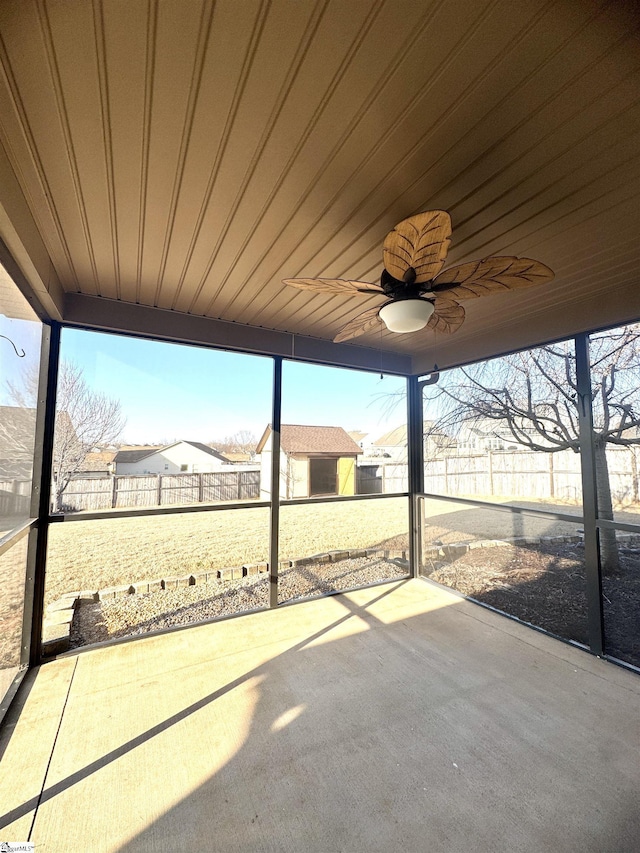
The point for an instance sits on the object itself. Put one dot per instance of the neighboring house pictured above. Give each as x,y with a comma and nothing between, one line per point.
392,446
436,442
17,436
239,457
364,440
97,463
314,460
483,434
181,457
360,438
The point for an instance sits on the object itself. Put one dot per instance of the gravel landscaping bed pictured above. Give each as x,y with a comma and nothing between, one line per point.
133,615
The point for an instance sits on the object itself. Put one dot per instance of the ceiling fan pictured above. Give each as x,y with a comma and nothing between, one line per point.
413,285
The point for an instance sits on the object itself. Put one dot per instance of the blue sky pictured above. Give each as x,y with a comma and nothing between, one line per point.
168,391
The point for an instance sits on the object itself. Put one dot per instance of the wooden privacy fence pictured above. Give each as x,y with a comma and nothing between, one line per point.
381,479
529,473
513,473
125,490
15,497
525,474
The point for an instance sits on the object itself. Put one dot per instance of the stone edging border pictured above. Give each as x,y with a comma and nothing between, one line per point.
56,629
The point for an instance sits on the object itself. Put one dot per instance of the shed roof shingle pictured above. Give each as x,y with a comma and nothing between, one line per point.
295,438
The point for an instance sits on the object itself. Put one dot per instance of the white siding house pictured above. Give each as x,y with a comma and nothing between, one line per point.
392,446
190,457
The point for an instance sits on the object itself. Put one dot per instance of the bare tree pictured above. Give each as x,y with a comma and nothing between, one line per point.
242,441
533,396
84,419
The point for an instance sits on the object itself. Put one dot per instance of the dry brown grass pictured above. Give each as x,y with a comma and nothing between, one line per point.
98,554
111,552
12,577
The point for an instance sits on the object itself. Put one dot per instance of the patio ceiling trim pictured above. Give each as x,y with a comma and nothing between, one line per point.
110,315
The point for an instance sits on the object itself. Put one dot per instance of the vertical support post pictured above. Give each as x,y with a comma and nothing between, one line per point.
415,458
589,497
41,495
274,534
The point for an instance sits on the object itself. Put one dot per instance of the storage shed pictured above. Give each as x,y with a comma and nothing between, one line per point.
314,461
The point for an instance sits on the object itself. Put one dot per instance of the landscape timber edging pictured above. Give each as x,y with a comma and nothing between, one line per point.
58,619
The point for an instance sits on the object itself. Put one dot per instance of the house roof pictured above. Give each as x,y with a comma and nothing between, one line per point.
17,435
17,431
394,438
357,436
205,449
237,456
98,460
398,437
131,454
137,454
296,438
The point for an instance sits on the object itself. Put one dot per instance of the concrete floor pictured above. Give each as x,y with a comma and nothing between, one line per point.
396,718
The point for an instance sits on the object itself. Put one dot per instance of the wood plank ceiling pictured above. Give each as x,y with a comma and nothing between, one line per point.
189,154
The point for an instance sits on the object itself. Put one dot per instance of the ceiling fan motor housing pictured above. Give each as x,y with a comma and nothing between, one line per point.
401,289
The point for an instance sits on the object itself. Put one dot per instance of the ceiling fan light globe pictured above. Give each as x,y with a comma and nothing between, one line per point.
406,315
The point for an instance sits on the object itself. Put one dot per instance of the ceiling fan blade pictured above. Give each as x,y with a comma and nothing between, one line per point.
447,316
491,275
332,285
420,242
364,322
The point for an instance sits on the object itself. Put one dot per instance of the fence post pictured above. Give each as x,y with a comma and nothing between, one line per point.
159,489
634,473
238,475
552,485
114,492
200,488
490,455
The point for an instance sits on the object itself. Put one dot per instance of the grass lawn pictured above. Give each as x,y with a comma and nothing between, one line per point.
111,552
12,575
